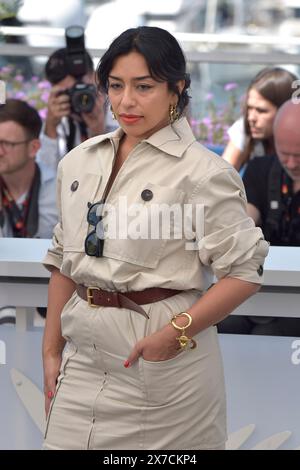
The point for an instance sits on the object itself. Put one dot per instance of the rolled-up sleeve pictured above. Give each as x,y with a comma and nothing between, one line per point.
54,256
229,242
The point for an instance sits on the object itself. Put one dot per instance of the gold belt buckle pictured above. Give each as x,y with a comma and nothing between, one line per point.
90,297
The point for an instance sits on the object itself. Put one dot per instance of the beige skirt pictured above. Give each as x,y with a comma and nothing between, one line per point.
98,404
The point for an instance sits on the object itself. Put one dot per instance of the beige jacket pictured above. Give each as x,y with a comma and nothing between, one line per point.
177,170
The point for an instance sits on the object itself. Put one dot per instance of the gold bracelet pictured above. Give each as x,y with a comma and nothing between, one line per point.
183,339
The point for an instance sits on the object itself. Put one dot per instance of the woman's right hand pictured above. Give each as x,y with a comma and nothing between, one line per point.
51,373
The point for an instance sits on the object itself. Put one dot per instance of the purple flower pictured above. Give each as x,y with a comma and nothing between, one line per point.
19,78
230,86
45,96
6,69
207,121
44,84
194,122
43,113
20,95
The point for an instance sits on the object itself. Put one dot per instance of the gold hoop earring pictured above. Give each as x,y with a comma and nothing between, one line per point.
112,113
173,113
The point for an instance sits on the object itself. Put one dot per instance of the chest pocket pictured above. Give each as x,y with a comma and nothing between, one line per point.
148,225
76,193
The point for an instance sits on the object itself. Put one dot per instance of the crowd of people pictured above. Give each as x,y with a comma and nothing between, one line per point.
266,142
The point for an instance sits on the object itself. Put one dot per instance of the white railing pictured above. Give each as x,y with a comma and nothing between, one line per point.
194,38
198,47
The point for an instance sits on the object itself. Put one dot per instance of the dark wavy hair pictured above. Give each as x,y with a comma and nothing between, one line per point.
163,55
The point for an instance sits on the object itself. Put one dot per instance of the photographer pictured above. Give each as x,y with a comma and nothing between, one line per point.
75,110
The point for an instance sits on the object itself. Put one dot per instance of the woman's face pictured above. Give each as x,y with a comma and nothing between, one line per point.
140,103
260,114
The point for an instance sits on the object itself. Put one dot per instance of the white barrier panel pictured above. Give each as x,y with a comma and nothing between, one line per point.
262,384
262,373
23,353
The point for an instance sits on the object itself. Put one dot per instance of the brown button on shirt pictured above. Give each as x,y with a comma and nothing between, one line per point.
179,172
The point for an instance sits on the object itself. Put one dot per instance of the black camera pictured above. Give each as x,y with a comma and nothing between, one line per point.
82,95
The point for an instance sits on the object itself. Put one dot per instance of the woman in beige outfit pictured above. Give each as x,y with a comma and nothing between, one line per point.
147,216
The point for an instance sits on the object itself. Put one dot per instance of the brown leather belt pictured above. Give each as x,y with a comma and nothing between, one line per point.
130,300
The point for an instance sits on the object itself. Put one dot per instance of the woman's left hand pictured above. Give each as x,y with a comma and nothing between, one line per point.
160,346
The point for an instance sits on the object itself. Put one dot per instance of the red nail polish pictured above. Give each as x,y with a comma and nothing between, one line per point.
126,364
50,395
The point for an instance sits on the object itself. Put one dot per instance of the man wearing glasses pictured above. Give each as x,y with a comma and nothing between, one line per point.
27,191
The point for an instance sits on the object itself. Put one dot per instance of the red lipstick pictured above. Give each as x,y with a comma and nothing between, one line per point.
130,118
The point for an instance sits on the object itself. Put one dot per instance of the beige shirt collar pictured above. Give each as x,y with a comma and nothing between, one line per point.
173,139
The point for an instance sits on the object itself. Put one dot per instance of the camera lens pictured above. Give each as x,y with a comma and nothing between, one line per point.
82,97
83,103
